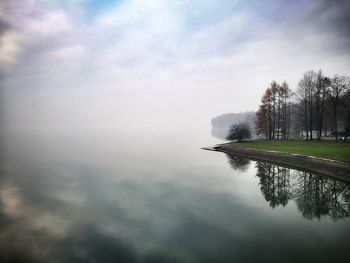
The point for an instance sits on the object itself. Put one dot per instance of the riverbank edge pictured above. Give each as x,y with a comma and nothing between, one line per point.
307,163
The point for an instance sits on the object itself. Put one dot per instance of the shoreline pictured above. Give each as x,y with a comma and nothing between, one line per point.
307,163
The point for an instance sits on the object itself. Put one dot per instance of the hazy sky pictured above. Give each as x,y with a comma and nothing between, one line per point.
158,63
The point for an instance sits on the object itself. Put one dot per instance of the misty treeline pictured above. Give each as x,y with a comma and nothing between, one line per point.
320,106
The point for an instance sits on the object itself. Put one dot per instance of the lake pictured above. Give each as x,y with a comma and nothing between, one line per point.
157,197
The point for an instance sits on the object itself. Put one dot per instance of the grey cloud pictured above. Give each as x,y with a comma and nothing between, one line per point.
338,14
3,26
330,20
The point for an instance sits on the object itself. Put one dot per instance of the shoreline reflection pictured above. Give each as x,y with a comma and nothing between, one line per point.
316,196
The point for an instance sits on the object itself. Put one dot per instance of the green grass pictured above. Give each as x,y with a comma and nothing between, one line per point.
339,151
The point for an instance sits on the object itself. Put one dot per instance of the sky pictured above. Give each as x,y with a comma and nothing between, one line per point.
158,64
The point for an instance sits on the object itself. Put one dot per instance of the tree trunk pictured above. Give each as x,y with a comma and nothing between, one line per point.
347,129
285,117
335,122
320,128
274,120
288,123
270,124
311,119
306,126
278,121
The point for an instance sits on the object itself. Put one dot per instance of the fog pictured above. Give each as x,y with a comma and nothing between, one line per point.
106,104
93,66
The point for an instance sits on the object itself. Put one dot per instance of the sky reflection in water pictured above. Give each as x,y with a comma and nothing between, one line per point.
102,199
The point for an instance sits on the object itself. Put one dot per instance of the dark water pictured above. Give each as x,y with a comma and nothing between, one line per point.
160,198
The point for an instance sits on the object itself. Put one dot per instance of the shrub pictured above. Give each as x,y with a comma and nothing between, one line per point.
239,132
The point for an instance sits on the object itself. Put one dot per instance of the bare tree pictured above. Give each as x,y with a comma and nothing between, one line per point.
315,108
273,116
274,98
285,109
322,83
263,124
261,121
305,94
337,87
301,95
345,100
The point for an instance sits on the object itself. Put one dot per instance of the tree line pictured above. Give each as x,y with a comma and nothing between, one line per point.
320,106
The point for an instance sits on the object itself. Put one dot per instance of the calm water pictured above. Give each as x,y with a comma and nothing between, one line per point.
146,197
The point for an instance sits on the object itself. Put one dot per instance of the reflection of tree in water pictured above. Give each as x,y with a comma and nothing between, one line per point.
314,195
274,183
237,162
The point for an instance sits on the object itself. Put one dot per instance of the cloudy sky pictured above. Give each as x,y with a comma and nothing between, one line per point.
158,63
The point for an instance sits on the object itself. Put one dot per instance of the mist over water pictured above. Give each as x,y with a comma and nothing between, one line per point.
137,196
104,108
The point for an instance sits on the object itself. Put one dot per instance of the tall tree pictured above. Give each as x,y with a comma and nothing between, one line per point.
301,95
337,87
345,100
322,83
285,109
274,87
305,92
273,116
263,124
261,121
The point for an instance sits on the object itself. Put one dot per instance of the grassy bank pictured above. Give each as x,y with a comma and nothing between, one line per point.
339,151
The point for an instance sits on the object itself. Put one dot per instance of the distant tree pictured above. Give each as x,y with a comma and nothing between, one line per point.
239,132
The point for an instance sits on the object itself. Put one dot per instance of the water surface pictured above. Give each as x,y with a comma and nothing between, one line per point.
153,197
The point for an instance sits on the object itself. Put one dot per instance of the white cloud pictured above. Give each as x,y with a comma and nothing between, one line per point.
50,24
16,41
69,52
9,47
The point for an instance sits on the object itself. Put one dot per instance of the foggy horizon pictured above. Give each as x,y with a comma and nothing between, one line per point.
110,65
